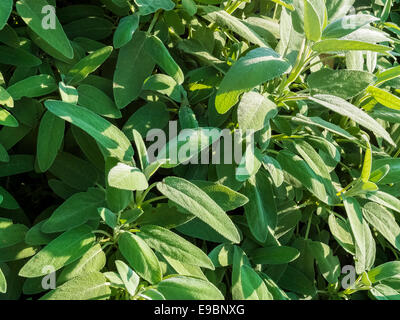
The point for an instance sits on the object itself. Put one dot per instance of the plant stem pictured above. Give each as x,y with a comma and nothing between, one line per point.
143,196
154,199
308,227
153,22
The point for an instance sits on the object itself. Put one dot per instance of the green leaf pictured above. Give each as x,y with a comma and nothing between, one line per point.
147,7
328,264
386,10
239,260
345,108
312,21
383,271
125,30
9,201
367,165
187,288
222,255
261,65
17,252
128,276
106,134
384,292
335,45
4,156
36,237
74,172
3,282
125,177
32,87
171,245
184,269
346,25
345,84
174,21
338,8
274,255
88,65
18,164
187,118
260,211
153,115
385,98
224,19
394,169
93,260
12,235
95,28
254,110
364,243
31,12
250,163
277,293
68,93
114,278
96,100
360,188
75,211
225,197
156,49
5,12
117,199
63,250
7,119
18,57
317,165
108,217
5,98
340,229
320,123
387,75
253,286
298,169
50,138
165,215
197,202
140,257
165,85
134,65
384,199
91,286
190,7
187,146
198,229
142,151
152,294
295,280
274,169
284,3
383,221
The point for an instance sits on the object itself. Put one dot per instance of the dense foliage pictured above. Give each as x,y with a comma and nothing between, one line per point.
311,209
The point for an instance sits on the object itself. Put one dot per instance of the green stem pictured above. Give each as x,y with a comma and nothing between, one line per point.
275,11
140,199
153,22
304,54
308,227
295,98
320,61
103,233
232,8
154,199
